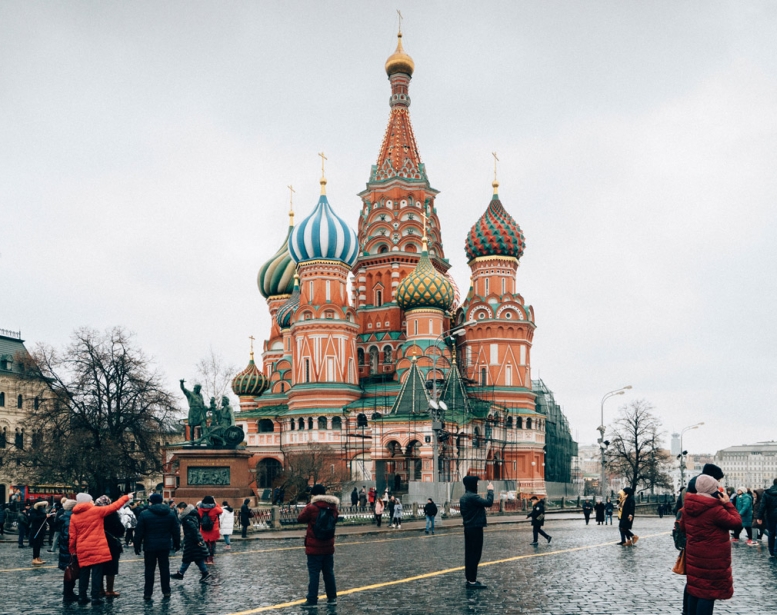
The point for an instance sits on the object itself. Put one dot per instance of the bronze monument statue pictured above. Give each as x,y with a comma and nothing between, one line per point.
221,431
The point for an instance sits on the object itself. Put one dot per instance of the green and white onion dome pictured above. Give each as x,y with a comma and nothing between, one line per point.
276,276
251,382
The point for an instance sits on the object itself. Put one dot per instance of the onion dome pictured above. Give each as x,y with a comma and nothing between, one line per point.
250,382
425,287
399,61
286,311
323,235
496,233
276,276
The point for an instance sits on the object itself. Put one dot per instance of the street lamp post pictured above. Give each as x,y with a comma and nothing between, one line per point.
603,444
683,452
434,404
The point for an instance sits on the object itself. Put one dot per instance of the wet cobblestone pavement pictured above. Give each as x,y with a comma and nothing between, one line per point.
582,571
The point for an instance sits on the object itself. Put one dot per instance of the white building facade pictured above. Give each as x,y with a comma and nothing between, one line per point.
751,465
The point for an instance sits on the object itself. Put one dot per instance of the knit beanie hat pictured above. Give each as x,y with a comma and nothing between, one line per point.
318,490
706,484
82,498
103,500
68,504
471,483
155,498
710,469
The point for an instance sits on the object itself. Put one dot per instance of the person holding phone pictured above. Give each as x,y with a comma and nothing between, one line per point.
473,515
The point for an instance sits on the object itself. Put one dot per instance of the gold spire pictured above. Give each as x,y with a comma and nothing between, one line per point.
424,239
251,337
291,204
495,183
322,181
399,61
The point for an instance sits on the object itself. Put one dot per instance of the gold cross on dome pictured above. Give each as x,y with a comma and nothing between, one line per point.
323,158
252,338
291,197
400,20
495,161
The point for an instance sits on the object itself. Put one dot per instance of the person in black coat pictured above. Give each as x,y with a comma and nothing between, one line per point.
68,591
114,532
587,510
3,514
537,516
626,516
157,530
599,508
766,516
430,511
39,517
194,547
245,517
473,516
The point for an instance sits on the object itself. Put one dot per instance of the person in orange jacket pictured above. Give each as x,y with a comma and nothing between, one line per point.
88,543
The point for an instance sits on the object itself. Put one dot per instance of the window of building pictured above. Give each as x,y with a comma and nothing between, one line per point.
330,369
36,403
509,422
266,426
374,359
378,298
361,420
519,422
307,370
19,402
528,423
504,284
494,348
337,423
415,327
310,291
486,285
523,354
301,424
4,437
328,290
387,355
431,327
508,375
19,439
476,438
310,422
2,400
322,422
483,376
360,355
377,416
291,424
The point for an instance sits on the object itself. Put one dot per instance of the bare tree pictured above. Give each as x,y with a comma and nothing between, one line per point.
635,443
215,376
319,463
103,421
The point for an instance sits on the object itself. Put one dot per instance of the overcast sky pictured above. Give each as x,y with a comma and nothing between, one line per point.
145,150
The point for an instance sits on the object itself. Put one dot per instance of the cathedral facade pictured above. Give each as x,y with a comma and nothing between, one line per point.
399,374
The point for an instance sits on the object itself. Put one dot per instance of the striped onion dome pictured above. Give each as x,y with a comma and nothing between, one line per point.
276,276
496,233
323,235
250,382
425,287
286,311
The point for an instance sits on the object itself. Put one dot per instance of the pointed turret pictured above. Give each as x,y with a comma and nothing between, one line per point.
413,398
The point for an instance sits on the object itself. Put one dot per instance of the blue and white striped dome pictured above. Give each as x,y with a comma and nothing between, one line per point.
323,235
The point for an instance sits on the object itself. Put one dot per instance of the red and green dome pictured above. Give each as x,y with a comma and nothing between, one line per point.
251,382
495,234
425,287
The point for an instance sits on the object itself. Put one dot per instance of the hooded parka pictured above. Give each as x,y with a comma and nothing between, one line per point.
87,531
194,548
309,514
157,529
213,511
706,521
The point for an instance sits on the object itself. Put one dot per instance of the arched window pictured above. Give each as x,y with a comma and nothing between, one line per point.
19,402
519,423
291,424
378,298
360,355
322,422
2,400
509,423
528,423
387,355
337,423
374,360
483,376
36,403
377,416
4,437
382,248
266,426
301,424
476,438
361,420
19,439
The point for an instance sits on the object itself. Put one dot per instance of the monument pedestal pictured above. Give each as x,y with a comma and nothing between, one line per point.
224,474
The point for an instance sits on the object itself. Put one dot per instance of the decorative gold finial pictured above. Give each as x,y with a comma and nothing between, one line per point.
291,204
322,181
495,183
424,239
251,337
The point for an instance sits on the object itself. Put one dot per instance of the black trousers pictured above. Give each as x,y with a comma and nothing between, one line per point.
37,542
151,559
318,565
537,530
473,549
95,571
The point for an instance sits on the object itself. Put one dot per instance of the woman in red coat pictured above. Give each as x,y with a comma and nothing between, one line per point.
209,527
708,516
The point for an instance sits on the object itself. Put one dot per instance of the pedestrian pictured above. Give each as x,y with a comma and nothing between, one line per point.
587,510
390,506
23,524
245,517
609,508
275,495
114,532
371,497
226,523
158,530
56,508
3,515
363,497
660,511
537,516
68,587
194,547
129,521
379,506
757,531
473,515
744,506
767,515
354,497
626,511
39,516
707,517
599,508
396,519
321,516
88,543
209,513
281,496
430,510
56,523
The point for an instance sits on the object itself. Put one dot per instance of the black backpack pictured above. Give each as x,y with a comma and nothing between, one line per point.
324,527
207,522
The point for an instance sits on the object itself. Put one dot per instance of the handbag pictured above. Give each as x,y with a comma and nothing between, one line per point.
679,565
72,570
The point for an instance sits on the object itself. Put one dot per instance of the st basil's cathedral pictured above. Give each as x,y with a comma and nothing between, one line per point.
399,365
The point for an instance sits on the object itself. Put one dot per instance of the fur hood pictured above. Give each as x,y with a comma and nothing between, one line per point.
42,504
328,499
189,508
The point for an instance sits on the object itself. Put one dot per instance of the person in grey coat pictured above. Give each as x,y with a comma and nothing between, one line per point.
473,515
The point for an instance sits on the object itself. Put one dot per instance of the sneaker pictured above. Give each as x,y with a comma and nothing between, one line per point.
534,544
147,598
227,547
634,540
166,596
177,575
549,539
309,604
426,532
205,576
751,543
734,539
82,600
331,601
476,585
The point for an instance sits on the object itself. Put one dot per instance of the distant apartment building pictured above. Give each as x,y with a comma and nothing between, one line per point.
749,465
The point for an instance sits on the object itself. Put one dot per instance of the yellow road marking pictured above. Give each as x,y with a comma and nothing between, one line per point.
436,573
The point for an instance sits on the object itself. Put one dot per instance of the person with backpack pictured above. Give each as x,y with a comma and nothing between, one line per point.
194,547
321,516
430,510
209,513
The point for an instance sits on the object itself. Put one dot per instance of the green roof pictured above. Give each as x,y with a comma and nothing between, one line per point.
413,398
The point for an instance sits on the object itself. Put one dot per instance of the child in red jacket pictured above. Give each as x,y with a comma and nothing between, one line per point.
320,515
